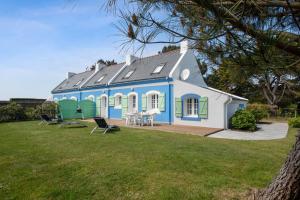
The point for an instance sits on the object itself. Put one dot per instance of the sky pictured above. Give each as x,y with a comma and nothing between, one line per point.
42,40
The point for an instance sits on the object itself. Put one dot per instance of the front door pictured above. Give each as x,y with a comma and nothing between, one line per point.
103,108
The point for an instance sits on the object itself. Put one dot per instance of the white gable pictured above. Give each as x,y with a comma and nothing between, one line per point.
187,70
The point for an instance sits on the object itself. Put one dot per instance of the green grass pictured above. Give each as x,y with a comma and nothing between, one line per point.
47,162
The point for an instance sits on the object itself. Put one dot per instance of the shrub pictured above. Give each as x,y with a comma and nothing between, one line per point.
259,111
244,120
12,112
15,112
294,122
32,113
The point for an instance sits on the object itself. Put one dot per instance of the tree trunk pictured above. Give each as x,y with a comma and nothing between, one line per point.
286,186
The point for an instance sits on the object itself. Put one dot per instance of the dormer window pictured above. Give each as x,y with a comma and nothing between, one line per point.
100,79
78,83
158,69
129,74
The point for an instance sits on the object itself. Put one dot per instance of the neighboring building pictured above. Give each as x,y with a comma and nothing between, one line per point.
170,82
24,102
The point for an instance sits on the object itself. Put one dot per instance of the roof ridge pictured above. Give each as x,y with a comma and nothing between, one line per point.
160,54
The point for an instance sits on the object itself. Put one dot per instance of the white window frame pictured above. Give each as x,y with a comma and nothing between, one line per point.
191,106
118,104
158,69
130,106
149,95
91,97
100,79
73,98
106,104
128,74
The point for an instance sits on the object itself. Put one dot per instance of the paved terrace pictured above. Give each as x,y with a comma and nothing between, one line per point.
193,130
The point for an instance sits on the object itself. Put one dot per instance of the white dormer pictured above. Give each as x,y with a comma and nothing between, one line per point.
130,59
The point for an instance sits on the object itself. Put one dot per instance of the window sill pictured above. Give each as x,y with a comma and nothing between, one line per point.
191,118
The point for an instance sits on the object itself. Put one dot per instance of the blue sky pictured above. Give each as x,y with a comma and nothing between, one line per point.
40,41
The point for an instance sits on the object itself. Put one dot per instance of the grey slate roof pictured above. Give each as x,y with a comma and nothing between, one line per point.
144,67
143,70
107,71
70,83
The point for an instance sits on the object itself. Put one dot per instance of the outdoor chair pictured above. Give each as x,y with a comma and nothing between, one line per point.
151,114
101,124
48,120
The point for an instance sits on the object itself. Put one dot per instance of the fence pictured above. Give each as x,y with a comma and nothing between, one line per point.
284,112
71,109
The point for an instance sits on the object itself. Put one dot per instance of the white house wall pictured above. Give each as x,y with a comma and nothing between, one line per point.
216,105
189,62
233,106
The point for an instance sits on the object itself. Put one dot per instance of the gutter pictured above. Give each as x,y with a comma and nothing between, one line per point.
226,111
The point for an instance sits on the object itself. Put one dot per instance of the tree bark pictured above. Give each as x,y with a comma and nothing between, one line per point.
286,186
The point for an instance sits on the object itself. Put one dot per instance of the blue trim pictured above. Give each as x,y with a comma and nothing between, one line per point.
191,118
105,86
194,96
158,80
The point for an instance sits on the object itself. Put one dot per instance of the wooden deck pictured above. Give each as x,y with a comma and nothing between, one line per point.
193,130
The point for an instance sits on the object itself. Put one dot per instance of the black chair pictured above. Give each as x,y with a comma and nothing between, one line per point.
48,120
101,124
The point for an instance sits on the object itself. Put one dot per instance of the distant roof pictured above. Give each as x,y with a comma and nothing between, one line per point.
107,72
144,67
72,82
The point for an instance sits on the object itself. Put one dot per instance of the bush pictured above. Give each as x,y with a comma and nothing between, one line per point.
294,122
32,113
12,112
15,112
259,111
244,120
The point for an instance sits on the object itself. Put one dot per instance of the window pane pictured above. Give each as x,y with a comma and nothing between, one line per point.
120,100
189,106
154,101
195,106
133,101
158,69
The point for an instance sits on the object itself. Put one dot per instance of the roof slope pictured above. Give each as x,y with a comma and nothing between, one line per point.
73,82
143,68
107,72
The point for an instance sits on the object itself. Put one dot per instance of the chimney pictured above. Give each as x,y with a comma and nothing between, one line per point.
184,46
70,74
130,59
97,66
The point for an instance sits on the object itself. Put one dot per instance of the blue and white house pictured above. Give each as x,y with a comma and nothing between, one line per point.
169,82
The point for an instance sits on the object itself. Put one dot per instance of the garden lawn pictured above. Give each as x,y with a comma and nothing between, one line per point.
48,162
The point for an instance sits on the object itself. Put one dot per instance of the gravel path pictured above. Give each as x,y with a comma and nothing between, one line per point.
266,132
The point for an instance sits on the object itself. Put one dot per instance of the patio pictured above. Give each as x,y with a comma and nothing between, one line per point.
193,130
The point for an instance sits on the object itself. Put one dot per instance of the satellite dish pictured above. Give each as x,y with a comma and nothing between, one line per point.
185,74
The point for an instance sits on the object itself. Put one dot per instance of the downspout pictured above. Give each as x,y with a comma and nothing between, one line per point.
226,111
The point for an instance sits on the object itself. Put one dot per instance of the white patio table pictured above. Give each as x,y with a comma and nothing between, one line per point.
130,117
